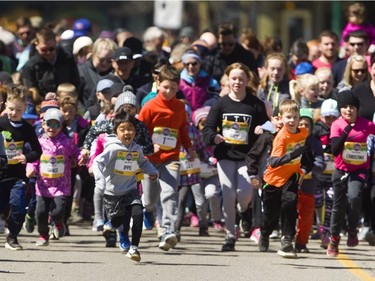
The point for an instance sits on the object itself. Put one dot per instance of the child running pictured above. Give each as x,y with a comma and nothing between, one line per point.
282,179
115,176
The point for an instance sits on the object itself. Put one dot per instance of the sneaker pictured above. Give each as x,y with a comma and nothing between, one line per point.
29,224
97,225
325,241
263,244
218,226
194,221
299,248
370,238
229,244
167,241
255,235
12,244
203,231
148,220
133,254
333,246
352,239
52,233
75,217
59,229
42,241
274,234
110,238
124,242
362,233
287,250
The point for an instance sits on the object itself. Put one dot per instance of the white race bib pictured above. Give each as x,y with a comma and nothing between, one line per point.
126,163
52,167
330,165
355,153
13,149
188,167
165,137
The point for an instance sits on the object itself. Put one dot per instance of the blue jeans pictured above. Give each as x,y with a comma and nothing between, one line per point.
12,194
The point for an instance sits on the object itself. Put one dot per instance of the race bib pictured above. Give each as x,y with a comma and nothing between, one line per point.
13,149
308,176
355,153
127,163
236,128
165,137
207,170
330,166
292,146
52,167
188,167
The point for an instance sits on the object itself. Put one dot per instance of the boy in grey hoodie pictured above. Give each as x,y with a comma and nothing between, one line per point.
115,172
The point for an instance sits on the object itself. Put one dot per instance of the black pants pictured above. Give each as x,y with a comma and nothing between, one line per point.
55,207
280,201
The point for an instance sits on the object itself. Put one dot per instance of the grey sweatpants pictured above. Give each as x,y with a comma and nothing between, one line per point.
166,188
236,188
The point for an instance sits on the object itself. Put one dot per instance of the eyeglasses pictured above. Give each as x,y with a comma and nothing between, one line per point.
362,70
360,44
227,44
52,124
47,50
191,63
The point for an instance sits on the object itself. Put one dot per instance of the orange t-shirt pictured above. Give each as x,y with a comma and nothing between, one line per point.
285,142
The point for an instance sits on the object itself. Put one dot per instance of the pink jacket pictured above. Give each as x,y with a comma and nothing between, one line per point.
54,167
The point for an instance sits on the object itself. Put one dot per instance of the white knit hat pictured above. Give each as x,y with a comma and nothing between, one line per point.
126,97
329,107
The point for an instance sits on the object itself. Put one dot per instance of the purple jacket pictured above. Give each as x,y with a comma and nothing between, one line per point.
54,167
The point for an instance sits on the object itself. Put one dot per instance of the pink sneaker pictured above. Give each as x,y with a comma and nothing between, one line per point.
325,241
194,221
352,239
218,226
255,235
333,246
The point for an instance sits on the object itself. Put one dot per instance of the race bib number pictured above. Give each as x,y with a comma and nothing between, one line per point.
236,128
355,153
52,167
330,166
127,163
165,137
189,167
292,146
13,149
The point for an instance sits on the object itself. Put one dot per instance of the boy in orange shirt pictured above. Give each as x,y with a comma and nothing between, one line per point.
165,117
282,178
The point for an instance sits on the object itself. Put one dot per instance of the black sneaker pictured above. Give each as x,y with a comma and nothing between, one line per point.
203,231
12,244
301,248
228,245
287,250
264,243
29,224
110,238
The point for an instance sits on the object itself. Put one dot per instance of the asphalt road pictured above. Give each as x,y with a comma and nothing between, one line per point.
82,256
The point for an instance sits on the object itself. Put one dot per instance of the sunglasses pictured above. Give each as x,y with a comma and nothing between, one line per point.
358,44
227,44
191,63
46,50
53,124
362,70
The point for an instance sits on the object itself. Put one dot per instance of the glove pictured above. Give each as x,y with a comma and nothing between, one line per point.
297,152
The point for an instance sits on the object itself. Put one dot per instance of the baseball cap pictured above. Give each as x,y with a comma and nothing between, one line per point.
81,27
329,107
104,84
123,53
81,42
53,114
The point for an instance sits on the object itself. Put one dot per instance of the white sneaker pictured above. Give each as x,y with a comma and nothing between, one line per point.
133,254
362,233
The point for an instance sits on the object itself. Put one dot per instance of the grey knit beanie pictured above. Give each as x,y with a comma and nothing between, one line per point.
126,97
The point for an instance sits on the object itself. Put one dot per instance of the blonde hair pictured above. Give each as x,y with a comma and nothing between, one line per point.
67,88
18,93
68,100
278,56
103,44
288,105
302,82
358,10
324,71
347,77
